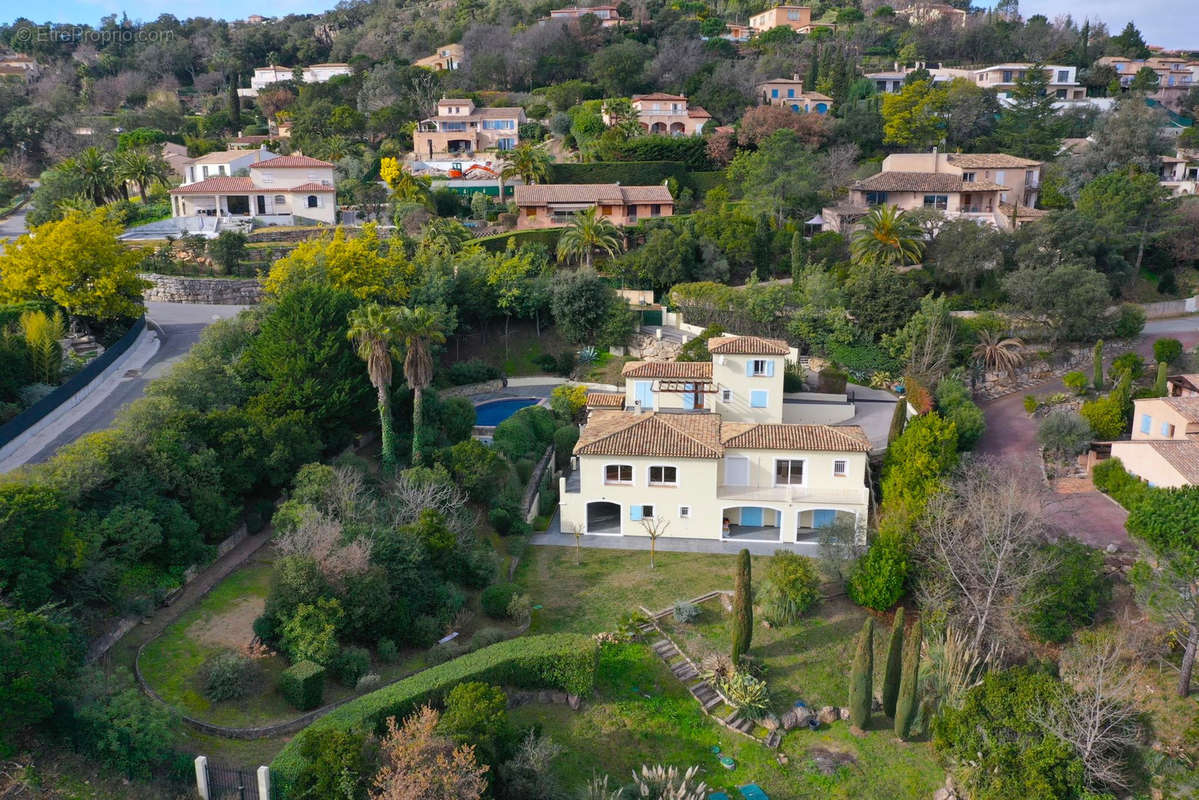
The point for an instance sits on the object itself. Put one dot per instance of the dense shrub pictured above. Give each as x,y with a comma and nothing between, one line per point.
1106,417
1110,477
1064,434
387,651
565,439
561,661
1076,382
1168,350
956,405
525,434
792,381
303,685
832,380
350,664
461,373
1129,321
878,578
1030,403
495,599
791,587
229,675
1068,595
1132,363
685,611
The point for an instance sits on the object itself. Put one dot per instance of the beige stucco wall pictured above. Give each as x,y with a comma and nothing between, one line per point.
1145,462
728,372
271,179
542,217
1022,182
1159,412
774,17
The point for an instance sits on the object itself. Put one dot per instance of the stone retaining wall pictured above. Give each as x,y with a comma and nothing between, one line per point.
214,291
486,387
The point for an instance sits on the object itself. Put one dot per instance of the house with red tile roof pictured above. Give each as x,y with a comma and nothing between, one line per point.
664,114
251,184
546,205
699,450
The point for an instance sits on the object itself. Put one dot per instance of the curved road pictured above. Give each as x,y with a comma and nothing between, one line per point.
179,326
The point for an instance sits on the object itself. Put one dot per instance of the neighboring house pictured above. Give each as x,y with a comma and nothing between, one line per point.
545,205
924,13
888,82
316,73
789,93
992,188
252,142
447,57
224,163
1164,449
177,159
281,188
461,129
1180,173
1175,76
1183,385
797,18
609,16
700,449
667,115
19,64
1062,81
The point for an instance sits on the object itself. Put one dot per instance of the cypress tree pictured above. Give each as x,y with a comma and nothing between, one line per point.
905,708
797,256
234,106
1097,368
894,664
861,677
1159,385
743,608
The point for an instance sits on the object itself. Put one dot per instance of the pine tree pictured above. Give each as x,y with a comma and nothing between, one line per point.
1159,385
861,677
1097,366
905,707
894,664
743,608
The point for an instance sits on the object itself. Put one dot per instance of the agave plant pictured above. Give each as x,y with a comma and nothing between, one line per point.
746,693
667,783
587,356
716,666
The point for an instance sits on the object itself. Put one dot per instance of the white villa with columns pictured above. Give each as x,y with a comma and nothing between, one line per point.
699,450
252,184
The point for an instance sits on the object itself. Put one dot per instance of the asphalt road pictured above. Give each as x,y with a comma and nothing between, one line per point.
13,225
180,325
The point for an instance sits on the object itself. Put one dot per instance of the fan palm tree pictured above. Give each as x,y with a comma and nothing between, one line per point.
94,169
588,231
887,237
998,353
417,328
528,162
374,334
409,188
142,168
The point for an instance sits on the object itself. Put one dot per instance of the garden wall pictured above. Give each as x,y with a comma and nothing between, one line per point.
1171,308
556,661
213,291
470,389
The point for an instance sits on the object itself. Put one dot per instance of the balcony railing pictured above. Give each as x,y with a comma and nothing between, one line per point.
858,495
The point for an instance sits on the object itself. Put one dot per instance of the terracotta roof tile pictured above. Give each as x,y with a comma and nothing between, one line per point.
542,193
1188,407
627,433
1182,455
747,346
658,96
305,187
922,182
291,161
698,370
990,161
605,400
698,112
221,184
824,438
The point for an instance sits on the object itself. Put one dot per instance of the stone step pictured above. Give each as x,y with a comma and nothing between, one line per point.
774,739
661,643
686,673
712,702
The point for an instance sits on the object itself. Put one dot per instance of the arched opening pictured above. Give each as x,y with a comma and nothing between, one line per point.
603,517
822,108
677,129
751,523
658,128
813,521
312,201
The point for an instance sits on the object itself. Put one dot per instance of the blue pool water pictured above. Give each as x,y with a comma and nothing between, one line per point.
493,412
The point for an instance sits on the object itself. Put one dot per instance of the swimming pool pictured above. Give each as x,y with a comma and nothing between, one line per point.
493,412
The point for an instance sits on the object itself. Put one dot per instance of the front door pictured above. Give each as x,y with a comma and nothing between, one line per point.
751,517
261,204
645,395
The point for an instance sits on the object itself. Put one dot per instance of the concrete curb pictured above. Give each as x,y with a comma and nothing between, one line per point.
30,443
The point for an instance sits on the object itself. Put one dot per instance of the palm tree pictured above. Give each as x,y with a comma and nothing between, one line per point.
997,353
887,236
411,188
373,332
528,162
142,168
93,167
587,232
416,328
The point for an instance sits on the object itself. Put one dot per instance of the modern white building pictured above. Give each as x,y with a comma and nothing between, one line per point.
699,450
273,188
317,73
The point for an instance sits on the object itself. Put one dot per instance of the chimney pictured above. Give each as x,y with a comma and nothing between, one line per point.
936,161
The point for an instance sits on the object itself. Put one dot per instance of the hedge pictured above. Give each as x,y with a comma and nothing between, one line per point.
498,242
636,173
303,685
564,661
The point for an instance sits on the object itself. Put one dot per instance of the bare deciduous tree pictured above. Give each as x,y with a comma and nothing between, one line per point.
422,764
1096,715
409,496
654,527
320,538
981,546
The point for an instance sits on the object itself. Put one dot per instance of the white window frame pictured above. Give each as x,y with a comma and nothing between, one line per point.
684,512
632,475
789,461
642,506
764,371
844,464
726,395
649,471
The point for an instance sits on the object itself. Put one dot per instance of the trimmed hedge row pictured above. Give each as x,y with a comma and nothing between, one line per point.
562,661
303,685
498,242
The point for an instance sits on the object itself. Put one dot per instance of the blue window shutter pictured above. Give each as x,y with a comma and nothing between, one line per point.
1165,429
791,93
749,368
635,513
769,369
1146,423
774,92
757,399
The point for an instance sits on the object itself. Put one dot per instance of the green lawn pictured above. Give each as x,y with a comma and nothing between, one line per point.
642,714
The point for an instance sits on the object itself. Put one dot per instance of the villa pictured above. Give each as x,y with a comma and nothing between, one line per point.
1062,81
991,188
700,450
462,129
317,73
1164,450
667,115
1180,173
797,18
447,57
547,205
609,16
789,93
1175,76
276,189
